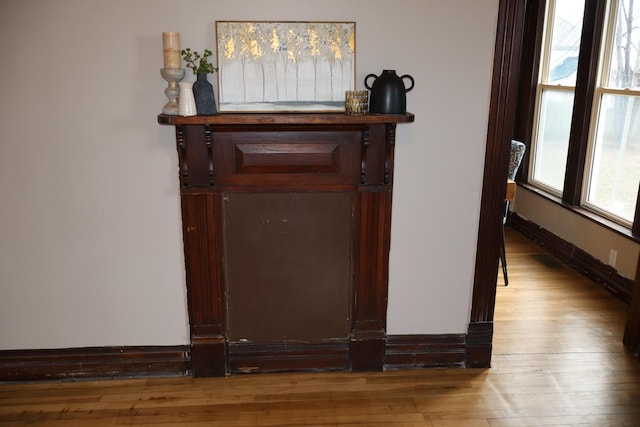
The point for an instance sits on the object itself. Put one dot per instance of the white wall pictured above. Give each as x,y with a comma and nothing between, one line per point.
90,237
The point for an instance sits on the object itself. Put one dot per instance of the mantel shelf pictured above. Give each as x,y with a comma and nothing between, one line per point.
285,119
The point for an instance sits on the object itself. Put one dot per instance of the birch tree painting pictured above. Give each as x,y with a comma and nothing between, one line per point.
284,66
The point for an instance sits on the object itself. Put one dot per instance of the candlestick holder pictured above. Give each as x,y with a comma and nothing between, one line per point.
172,76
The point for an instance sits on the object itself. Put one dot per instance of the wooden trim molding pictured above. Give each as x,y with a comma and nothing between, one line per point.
635,227
632,328
479,345
567,252
500,131
94,362
586,77
425,351
319,355
398,352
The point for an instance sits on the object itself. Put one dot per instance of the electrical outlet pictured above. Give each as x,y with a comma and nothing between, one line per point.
613,255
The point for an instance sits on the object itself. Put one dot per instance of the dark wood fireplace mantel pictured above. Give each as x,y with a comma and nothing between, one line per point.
286,227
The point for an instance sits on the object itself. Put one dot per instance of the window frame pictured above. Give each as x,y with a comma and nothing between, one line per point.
601,90
585,90
543,87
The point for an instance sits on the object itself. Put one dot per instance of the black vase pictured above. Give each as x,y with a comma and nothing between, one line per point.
203,93
388,92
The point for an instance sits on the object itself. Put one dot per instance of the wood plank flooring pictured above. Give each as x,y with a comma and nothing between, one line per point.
558,360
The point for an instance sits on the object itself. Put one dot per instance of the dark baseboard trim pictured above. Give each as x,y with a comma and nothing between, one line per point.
479,345
401,352
580,260
94,362
263,357
424,351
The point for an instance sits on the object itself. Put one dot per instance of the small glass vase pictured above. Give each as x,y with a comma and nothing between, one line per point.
203,93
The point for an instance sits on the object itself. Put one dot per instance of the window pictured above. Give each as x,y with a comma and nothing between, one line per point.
555,95
599,166
613,172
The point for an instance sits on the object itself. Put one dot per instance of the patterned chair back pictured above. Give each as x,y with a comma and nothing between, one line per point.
517,153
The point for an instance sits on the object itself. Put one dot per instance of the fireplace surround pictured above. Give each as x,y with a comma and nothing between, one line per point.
286,223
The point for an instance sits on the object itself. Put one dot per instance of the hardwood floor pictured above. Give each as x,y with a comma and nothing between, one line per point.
558,359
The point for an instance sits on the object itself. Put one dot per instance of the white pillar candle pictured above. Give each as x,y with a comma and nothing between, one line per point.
171,48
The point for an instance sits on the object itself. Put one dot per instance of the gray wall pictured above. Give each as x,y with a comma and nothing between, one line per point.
90,237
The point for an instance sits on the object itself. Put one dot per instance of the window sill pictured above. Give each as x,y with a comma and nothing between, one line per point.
591,216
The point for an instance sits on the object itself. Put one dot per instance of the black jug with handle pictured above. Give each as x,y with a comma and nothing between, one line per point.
388,92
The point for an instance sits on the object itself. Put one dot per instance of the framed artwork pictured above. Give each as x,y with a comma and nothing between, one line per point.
284,66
